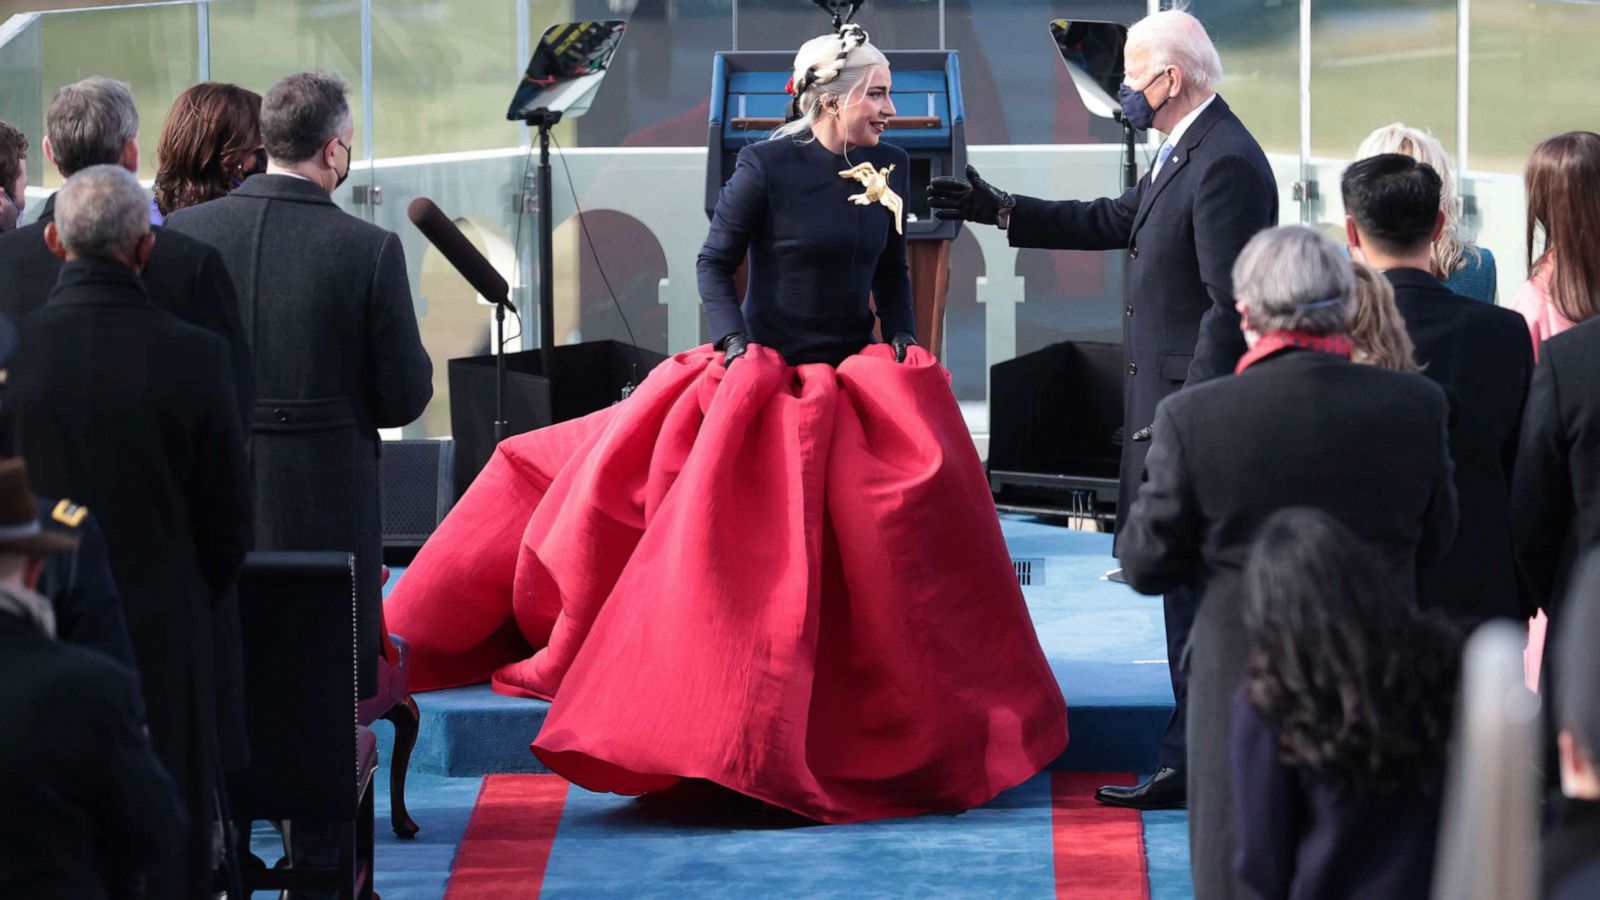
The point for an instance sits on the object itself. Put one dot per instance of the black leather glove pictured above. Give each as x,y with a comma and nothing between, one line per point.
973,200
733,347
900,341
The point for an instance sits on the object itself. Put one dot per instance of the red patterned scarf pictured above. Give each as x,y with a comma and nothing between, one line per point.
1276,341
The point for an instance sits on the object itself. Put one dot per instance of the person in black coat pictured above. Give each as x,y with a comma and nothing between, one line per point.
338,354
79,583
1300,425
89,808
1477,352
1340,727
90,123
1571,843
1183,225
1555,490
94,122
135,411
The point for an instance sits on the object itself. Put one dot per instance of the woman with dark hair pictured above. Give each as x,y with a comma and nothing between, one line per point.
1340,729
210,143
1562,180
1563,186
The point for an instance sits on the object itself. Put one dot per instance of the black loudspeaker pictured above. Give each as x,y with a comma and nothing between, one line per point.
418,490
587,377
1055,423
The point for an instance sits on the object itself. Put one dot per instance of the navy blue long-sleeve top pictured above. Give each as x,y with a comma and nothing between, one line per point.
1298,839
815,257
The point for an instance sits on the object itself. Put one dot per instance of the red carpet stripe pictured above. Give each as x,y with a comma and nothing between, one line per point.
1099,850
507,844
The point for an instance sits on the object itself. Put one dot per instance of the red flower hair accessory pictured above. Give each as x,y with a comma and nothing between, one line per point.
788,86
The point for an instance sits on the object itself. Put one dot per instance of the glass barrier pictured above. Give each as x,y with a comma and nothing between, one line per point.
430,81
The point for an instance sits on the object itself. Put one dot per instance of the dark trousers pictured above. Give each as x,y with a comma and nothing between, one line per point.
1178,609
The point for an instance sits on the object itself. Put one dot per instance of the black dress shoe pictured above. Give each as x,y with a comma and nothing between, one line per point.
1167,789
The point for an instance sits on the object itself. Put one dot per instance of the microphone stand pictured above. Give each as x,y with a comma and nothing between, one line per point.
544,119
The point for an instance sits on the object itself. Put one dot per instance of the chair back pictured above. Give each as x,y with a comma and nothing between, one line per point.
298,611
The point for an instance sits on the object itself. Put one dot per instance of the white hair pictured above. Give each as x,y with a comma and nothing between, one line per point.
1173,37
1451,251
102,212
1293,278
830,65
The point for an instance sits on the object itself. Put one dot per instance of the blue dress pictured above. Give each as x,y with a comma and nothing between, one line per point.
816,259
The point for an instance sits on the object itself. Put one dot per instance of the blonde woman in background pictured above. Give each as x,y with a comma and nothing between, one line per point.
1377,329
1463,266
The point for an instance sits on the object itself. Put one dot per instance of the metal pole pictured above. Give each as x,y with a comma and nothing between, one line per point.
547,286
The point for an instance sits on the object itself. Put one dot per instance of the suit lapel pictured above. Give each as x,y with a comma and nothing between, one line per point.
1179,160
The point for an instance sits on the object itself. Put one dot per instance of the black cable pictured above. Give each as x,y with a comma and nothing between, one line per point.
584,224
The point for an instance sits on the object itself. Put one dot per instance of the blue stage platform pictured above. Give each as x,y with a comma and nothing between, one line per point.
1104,642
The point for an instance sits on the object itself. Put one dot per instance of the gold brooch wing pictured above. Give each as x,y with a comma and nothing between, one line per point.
875,189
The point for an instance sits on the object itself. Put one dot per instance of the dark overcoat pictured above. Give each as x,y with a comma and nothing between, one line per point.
90,803
1480,353
1182,234
135,412
186,278
326,306
1555,492
1300,428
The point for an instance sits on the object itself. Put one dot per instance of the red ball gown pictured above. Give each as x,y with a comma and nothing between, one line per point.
785,579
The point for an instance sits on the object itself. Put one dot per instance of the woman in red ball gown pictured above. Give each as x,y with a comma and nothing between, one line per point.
776,566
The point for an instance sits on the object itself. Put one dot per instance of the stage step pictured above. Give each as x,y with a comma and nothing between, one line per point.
1105,644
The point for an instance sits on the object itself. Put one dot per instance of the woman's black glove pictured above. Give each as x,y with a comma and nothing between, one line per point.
733,347
900,341
974,200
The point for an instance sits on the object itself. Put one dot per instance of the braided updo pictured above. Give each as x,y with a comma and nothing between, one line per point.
832,64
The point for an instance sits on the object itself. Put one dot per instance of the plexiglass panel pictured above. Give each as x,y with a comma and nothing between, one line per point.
155,49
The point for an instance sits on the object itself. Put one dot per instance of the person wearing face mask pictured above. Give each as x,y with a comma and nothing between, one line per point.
338,353
776,566
1182,225
210,143
132,412
328,306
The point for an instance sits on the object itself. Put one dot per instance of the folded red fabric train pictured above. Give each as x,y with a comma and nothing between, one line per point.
789,581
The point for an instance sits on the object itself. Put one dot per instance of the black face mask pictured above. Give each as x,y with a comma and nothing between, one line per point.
1136,110
347,161
257,166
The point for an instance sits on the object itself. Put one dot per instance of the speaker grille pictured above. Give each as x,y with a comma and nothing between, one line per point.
416,494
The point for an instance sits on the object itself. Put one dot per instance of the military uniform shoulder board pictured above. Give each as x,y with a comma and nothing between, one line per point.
69,514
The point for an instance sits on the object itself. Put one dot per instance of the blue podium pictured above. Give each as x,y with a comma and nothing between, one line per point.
748,101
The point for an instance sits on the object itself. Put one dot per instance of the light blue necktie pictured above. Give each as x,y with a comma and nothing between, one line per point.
1161,158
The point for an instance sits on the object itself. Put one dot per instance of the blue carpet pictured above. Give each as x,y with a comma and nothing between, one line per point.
1105,645
611,846
1104,642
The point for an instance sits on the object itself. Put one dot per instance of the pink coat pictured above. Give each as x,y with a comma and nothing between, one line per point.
1533,301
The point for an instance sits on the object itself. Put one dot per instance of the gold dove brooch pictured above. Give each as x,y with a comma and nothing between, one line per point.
875,184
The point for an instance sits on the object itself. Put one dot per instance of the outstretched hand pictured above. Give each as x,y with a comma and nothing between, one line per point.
972,200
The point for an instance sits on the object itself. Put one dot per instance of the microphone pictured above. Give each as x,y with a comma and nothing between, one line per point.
443,234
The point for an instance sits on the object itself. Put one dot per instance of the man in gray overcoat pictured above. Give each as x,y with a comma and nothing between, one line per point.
327,306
